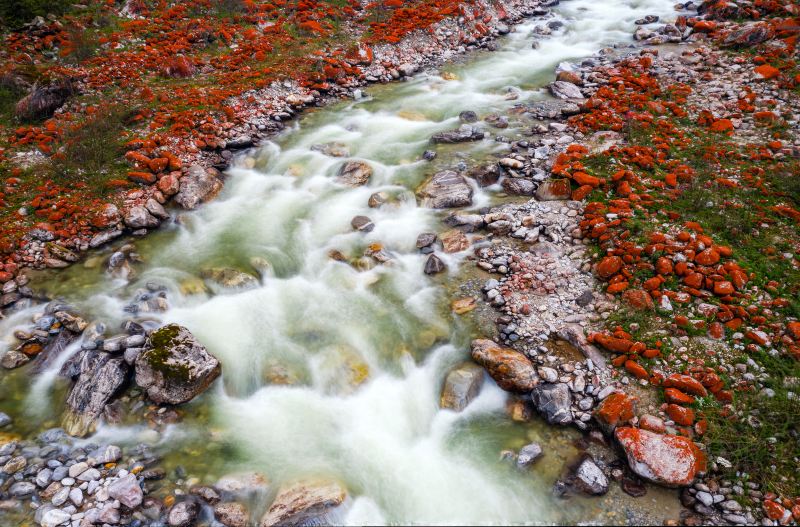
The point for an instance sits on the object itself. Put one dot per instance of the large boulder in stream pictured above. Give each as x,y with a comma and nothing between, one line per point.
101,376
197,186
554,402
446,189
306,503
174,367
464,133
462,384
668,460
510,369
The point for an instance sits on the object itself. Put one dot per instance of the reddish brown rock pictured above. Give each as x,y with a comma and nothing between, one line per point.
669,460
510,369
681,415
615,410
708,257
686,384
638,299
674,395
652,423
609,266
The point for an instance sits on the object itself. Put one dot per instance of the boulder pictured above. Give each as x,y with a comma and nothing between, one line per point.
434,265
101,376
139,218
554,402
305,503
510,369
463,134
454,241
529,454
174,367
461,386
668,460
197,186
565,90
588,478
446,189
354,174
519,187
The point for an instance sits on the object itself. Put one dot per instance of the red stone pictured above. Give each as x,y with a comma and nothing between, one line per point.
664,266
681,415
142,178
636,369
609,266
774,510
614,344
638,299
708,257
668,460
686,384
674,395
5,277
767,72
723,288
615,410
652,423
169,185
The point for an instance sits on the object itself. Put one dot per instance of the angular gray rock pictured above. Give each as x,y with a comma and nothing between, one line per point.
529,454
100,378
183,514
462,384
140,217
198,185
231,514
519,187
434,265
565,90
446,189
174,367
553,401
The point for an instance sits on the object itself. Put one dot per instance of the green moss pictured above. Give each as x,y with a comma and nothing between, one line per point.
162,342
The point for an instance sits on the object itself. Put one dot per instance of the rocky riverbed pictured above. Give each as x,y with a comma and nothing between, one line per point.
538,299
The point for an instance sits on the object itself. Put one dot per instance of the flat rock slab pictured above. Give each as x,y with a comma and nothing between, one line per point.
446,189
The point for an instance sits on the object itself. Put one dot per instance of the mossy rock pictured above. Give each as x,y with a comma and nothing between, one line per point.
175,368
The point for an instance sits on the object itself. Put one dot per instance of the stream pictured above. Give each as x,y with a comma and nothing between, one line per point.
331,369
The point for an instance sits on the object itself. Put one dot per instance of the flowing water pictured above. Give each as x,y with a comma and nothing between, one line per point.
335,370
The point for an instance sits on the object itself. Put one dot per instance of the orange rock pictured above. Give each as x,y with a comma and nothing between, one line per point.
582,178
614,344
664,266
679,414
686,384
723,288
615,410
767,72
794,329
694,280
142,178
617,288
774,510
609,266
636,369
722,125
675,396
708,257
638,299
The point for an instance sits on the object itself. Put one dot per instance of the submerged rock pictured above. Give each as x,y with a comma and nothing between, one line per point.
565,90
230,278
464,133
305,503
668,460
510,369
462,384
446,189
588,478
174,367
354,173
434,265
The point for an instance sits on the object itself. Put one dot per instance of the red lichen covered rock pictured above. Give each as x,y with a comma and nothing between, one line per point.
681,415
686,384
615,410
669,460
609,266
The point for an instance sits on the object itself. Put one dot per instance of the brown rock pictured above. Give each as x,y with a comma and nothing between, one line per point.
510,369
